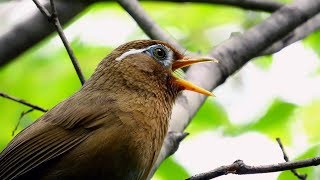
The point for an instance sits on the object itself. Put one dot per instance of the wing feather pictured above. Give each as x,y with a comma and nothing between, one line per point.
64,127
38,149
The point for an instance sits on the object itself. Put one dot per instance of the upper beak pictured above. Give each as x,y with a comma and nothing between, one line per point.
188,85
189,61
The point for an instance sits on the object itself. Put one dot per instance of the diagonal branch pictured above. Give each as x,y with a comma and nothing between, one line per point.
238,167
53,18
31,31
260,5
233,54
299,33
26,34
24,102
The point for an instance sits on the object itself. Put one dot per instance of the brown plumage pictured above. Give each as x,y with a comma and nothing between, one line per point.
112,128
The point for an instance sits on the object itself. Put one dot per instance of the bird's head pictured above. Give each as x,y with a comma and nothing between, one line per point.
148,64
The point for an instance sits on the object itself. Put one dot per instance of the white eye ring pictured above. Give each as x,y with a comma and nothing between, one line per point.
159,53
164,59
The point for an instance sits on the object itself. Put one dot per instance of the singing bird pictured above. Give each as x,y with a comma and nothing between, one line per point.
113,127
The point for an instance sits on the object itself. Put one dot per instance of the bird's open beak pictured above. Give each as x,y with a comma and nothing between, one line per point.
187,61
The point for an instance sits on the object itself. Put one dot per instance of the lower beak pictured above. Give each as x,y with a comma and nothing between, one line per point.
185,85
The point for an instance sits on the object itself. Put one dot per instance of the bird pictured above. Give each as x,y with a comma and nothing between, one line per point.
113,127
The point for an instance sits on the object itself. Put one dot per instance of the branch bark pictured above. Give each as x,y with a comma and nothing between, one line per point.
28,33
299,33
259,5
238,167
233,54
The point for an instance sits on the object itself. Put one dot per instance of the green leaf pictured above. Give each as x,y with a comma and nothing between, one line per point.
313,41
210,116
170,169
311,120
274,123
191,23
312,172
263,62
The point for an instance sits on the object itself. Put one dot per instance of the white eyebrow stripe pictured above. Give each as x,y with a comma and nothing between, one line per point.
130,52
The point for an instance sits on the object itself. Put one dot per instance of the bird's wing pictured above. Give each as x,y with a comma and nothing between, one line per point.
57,132
25,154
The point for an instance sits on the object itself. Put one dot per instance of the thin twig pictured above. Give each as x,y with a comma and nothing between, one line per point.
43,10
24,102
239,167
286,158
53,18
20,118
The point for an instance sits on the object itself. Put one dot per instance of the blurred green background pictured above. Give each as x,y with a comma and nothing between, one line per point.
272,96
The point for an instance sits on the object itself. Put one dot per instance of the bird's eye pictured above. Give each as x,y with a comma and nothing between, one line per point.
159,53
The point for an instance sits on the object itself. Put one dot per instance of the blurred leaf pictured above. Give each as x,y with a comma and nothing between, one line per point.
263,62
170,169
313,41
311,120
274,123
210,116
190,22
253,18
312,172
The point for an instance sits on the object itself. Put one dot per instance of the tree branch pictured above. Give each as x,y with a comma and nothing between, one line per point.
53,18
34,29
31,31
24,102
233,54
238,167
286,158
299,33
260,5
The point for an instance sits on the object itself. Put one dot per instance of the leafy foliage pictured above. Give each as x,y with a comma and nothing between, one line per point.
274,123
313,42
44,76
170,169
209,117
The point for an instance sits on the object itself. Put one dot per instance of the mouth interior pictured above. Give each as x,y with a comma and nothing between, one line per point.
179,73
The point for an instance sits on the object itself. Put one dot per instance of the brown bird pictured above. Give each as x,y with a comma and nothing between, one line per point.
113,127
